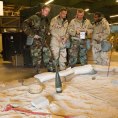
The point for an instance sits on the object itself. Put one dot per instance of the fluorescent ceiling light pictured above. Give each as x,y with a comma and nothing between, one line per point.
48,2
113,16
86,10
116,0
1,8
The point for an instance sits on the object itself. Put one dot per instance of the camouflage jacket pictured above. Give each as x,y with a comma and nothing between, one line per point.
83,25
35,25
58,27
101,30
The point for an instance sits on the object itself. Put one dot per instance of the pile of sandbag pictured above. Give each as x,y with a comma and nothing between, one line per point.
105,68
87,69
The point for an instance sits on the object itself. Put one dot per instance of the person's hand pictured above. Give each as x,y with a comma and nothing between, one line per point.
78,31
64,40
57,26
98,41
99,36
83,30
59,39
89,35
36,37
48,33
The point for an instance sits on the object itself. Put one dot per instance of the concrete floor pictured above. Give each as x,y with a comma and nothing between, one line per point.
8,72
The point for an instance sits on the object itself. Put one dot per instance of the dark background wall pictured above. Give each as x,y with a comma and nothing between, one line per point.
24,14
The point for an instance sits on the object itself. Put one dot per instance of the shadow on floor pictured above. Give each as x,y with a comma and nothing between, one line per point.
9,72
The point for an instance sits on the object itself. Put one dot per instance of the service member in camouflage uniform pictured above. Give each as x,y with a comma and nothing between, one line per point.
58,28
101,32
78,45
36,27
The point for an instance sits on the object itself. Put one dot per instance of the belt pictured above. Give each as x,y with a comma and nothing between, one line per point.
75,38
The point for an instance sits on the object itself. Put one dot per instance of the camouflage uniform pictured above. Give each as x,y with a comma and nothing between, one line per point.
58,29
78,46
38,25
101,32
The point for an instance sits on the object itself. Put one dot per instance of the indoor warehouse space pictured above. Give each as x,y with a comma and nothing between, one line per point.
58,58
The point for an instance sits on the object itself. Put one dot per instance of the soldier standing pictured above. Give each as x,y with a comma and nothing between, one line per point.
79,28
58,28
101,32
36,27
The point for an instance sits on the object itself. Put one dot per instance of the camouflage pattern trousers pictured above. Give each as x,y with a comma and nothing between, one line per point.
100,57
59,51
77,51
41,53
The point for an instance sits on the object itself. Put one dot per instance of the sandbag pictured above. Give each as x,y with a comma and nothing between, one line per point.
101,68
35,88
51,75
86,69
66,72
45,76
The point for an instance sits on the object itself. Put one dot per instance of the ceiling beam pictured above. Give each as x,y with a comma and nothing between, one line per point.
73,2
76,2
22,2
104,3
61,2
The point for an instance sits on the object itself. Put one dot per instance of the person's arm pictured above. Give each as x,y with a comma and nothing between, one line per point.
28,26
71,29
89,30
66,35
106,30
53,26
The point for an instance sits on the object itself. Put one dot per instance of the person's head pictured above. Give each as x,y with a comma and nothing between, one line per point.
97,16
80,14
45,10
63,13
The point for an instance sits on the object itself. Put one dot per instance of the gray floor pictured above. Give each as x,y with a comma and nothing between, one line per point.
9,72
